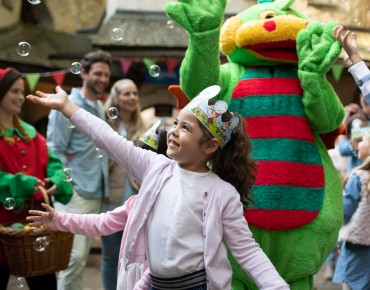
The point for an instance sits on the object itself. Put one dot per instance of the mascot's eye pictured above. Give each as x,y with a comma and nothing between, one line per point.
268,14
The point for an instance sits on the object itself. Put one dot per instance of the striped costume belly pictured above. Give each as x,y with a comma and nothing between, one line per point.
289,189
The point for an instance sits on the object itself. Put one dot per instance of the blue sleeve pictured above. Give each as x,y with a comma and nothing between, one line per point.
58,135
352,196
345,148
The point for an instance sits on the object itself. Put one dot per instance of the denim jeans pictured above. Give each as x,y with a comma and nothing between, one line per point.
110,255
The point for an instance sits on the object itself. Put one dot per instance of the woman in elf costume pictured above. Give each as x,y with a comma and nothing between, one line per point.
25,164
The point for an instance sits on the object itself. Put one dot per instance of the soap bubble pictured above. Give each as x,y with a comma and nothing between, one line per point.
154,70
40,244
20,282
67,172
9,203
98,153
112,113
76,68
117,34
170,24
34,2
24,48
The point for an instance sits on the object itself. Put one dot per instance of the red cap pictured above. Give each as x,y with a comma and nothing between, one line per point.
7,77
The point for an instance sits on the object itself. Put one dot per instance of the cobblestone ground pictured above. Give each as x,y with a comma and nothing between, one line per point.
93,281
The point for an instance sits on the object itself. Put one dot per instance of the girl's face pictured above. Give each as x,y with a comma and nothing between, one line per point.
183,143
11,103
128,98
364,147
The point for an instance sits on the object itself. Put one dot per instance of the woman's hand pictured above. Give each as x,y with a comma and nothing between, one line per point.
39,183
58,101
41,218
52,189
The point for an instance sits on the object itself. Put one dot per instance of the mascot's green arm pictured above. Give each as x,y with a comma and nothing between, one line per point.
317,51
201,66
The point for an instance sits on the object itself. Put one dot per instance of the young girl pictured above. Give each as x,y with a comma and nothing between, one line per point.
185,213
25,164
116,221
353,267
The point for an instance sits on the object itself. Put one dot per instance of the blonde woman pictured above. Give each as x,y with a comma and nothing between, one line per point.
124,97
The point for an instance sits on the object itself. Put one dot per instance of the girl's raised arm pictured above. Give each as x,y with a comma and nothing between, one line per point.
58,101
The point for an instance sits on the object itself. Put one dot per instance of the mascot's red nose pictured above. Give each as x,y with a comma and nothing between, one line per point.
269,25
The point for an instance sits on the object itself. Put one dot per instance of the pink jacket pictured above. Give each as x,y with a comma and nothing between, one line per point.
223,220
100,225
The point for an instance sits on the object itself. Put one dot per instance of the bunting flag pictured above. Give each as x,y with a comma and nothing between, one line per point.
58,77
32,79
148,62
171,65
125,65
337,70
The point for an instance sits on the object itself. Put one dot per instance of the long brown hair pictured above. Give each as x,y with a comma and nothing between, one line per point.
137,125
18,125
233,162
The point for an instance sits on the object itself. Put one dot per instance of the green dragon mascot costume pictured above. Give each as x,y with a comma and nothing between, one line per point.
275,78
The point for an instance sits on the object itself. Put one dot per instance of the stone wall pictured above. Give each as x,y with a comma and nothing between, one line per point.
72,15
9,12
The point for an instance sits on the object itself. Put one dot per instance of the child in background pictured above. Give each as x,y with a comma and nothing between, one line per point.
185,213
353,267
359,70
118,219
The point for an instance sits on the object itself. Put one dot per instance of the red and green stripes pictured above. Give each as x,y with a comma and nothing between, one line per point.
289,189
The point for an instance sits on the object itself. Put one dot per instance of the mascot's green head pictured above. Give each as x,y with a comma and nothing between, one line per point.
264,34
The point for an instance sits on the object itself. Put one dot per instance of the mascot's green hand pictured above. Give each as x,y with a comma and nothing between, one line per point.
317,49
197,15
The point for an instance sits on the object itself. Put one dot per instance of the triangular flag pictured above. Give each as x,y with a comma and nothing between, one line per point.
125,65
337,70
32,80
171,64
58,77
148,62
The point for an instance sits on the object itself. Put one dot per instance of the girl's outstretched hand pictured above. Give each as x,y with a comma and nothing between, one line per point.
58,101
41,218
53,101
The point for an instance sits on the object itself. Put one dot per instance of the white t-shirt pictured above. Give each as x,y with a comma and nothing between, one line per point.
175,225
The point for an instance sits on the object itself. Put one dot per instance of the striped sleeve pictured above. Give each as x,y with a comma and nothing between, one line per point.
361,74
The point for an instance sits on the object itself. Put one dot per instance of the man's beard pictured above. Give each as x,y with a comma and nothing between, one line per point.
90,85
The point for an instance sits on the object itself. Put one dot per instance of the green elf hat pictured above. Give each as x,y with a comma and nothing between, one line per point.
150,137
211,115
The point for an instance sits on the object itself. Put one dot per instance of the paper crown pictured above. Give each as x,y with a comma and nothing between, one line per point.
150,137
211,115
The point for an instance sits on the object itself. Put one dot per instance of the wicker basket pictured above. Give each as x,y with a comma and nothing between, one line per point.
24,260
